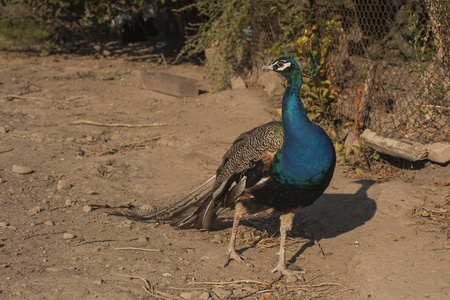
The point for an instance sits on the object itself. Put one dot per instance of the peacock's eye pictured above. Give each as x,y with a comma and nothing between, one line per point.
279,64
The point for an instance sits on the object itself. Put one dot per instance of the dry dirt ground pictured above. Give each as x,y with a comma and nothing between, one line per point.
57,243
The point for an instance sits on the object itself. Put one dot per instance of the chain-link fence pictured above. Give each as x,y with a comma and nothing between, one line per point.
390,65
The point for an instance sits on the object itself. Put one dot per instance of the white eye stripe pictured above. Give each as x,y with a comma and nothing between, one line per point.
284,66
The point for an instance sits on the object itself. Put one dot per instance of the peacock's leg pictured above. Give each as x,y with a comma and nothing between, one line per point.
285,226
232,254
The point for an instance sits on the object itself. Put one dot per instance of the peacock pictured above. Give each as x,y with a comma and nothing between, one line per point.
280,165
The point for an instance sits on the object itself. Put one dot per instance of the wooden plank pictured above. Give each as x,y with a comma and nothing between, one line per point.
171,84
408,150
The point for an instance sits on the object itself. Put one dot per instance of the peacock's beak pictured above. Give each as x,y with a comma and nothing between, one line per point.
268,67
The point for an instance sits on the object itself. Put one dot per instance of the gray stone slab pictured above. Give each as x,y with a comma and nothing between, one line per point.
439,152
408,150
171,84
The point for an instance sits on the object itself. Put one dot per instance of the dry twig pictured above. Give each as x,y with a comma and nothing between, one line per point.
5,151
316,242
275,241
229,282
12,97
115,149
74,98
322,284
150,289
86,122
140,143
164,59
138,249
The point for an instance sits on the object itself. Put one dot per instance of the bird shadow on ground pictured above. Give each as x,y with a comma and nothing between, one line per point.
330,216
335,214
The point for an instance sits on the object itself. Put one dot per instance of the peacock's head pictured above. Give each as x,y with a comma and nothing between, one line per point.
284,65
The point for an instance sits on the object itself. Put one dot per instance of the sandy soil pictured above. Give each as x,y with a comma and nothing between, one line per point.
56,243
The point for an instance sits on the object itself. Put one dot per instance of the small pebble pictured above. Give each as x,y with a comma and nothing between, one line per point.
87,208
35,210
69,202
52,269
49,223
63,185
221,292
3,225
143,239
238,292
146,207
68,236
217,239
153,225
99,281
291,279
204,296
45,260
21,169
167,275
126,224
190,295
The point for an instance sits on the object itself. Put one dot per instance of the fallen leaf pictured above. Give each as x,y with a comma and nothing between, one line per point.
422,213
441,184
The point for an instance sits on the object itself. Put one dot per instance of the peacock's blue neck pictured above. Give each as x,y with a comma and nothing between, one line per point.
304,142
294,118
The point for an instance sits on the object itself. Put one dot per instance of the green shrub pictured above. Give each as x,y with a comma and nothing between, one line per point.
86,18
224,29
18,26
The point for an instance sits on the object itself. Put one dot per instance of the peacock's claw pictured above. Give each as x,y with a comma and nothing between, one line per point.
233,255
283,271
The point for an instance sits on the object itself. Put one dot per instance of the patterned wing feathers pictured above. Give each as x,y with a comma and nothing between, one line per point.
244,165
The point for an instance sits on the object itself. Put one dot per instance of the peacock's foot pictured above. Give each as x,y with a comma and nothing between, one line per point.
292,275
233,255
